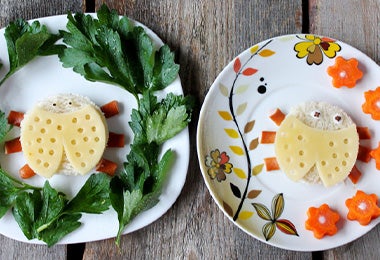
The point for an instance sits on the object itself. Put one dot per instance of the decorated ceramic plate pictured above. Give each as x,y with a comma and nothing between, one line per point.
45,77
237,135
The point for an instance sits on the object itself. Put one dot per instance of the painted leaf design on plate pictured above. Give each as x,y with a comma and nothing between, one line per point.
244,215
240,173
266,53
249,126
223,89
262,211
237,150
232,132
228,209
278,204
249,71
253,144
241,108
237,65
268,230
257,169
235,190
225,115
253,194
241,89
254,49
286,227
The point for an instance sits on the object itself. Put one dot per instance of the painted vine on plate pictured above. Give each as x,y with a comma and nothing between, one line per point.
219,164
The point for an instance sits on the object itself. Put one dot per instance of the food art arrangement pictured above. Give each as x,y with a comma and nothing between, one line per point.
67,135
288,142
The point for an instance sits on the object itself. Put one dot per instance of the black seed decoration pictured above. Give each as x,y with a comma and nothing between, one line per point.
262,89
317,114
70,103
261,79
54,104
338,118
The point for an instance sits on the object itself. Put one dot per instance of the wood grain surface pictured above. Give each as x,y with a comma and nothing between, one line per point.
206,35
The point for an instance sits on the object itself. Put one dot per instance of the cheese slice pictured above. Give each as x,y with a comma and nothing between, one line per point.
46,137
299,147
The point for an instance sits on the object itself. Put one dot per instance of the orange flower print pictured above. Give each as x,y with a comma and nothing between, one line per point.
344,72
362,207
372,103
322,221
314,47
218,165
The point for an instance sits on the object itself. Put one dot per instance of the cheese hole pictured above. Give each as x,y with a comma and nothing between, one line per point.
331,143
288,159
38,161
344,163
302,164
80,130
39,140
323,163
300,137
91,151
74,120
59,127
77,154
48,121
346,155
93,129
36,119
73,142
85,139
30,128
345,141
286,146
96,139
337,169
51,152
40,150
87,117
83,164
52,140
301,152
46,165
43,130
334,155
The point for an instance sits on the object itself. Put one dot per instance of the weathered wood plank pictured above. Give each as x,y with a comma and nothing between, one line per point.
9,11
205,35
356,23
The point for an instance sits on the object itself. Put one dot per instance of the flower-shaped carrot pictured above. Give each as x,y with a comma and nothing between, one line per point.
362,207
344,72
322,221
372,103
375,154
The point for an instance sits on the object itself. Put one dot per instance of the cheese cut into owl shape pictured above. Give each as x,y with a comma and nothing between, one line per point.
317,141
66,133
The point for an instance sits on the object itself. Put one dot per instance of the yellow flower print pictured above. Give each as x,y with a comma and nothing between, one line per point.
218,165
313,47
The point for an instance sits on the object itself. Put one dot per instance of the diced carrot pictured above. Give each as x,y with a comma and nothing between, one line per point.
115,140
15,118
13,146
277,116
363,132
344,72
322,221
268,137
362,207
26,172
355,175
364,154
110,109
271,164
106,166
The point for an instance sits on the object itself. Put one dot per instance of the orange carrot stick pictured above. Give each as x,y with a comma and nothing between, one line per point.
268,137
277,116
363,132
106,166
115,140
13,146
364,154
110,109
355,175
15,118
26,172
271,164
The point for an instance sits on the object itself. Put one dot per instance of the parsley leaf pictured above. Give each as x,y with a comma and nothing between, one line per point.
4,126
26,41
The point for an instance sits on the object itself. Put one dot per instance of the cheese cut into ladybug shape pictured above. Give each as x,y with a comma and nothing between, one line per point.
329,149
71,132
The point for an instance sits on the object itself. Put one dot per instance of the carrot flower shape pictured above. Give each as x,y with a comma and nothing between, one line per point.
322,221
362,207
344,72
372,103
375,154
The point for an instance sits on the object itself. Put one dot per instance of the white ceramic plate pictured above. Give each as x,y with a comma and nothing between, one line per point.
44,77
274,74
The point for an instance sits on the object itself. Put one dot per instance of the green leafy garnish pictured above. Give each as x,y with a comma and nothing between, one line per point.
4,126
26,41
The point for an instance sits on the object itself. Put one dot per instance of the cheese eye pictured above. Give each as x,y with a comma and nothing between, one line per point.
337,119
316,114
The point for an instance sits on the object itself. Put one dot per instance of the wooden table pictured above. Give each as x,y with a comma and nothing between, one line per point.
206,35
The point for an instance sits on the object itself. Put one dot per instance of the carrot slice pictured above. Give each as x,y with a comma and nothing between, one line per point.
322,221
15,118
277,116
375,154
364,154
106,166
363,132
26,172
115,140
110,109
271,164
370,106
268,137
13,146
362,207
355,175
344,72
